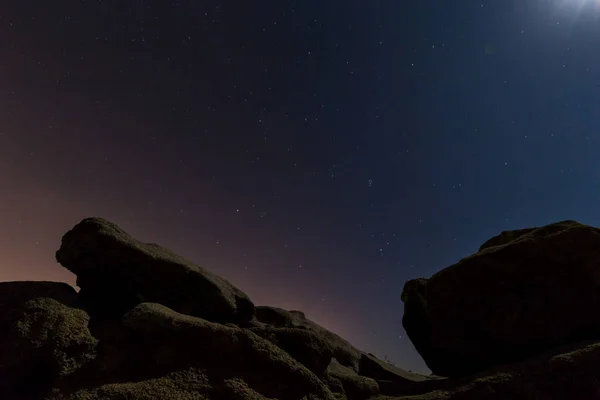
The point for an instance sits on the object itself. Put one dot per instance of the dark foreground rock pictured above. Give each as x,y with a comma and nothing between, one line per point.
525,292
158,349
568,373
305,340
116,344
43,338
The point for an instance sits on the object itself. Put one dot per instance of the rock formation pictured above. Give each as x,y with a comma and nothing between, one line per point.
523,293
514,321
115,272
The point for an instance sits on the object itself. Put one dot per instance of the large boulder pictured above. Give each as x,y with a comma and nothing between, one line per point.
569,372
493,323
116,272
320,350
305,340
393,380
349,383
523,293
43,339
160,353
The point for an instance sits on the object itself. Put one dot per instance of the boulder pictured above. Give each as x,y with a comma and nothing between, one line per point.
524,293
515,321
13,295
43,337
163,354
394,380
116,272
306,341
320,350
352,385
569,372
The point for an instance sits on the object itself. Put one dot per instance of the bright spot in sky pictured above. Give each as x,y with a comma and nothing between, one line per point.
568,11
576,5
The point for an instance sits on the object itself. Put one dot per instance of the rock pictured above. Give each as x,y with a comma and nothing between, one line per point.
309,348
394,380
354,386
306,341
525,292
513,235
42,339
165,354
190,384
570,372
317,348
116,272
14,295
492,323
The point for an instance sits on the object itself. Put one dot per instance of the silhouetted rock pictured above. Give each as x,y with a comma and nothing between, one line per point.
526,299
42,337
318,349
394,380
352,385
524,293
116,271
567,373
160,349
303,339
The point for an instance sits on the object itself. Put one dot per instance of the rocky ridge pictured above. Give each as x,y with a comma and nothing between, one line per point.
513,321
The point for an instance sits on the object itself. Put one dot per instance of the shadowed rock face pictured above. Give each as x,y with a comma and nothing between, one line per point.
43,337
110,342
116,271
305,340
523,293
570,372
224,353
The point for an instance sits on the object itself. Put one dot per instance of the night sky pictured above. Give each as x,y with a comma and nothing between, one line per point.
317,154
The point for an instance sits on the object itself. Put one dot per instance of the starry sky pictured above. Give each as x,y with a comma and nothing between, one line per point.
317,154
